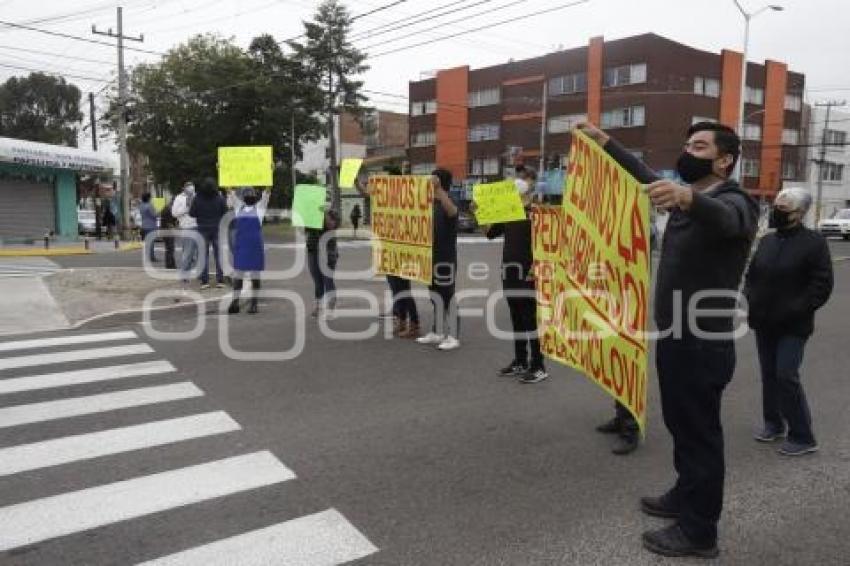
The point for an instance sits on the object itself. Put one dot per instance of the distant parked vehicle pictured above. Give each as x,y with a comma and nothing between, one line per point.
838,225
86,224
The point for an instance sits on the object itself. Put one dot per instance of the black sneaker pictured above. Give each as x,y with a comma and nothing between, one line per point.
533,376
672,541
664,506
627,443
614,426
513,369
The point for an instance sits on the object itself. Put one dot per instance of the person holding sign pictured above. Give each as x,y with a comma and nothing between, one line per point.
519,288
446,327
322,256
706,244
248,249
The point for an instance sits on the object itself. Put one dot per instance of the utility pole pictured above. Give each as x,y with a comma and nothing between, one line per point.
122,119
93,122
543,118
292,149
822,160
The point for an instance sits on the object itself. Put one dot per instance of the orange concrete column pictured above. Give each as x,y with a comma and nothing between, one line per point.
776,84
730,87
594,79
452,120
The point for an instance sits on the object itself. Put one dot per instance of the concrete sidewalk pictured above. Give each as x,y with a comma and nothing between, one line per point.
28,306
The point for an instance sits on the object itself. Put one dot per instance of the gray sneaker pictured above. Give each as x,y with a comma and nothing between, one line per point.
791,448
769,434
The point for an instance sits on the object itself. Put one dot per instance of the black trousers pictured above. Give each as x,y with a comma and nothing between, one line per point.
522,305
692,375
404,306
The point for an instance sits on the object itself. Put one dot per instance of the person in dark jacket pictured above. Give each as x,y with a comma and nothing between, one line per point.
208,208
518,285
149,225
356,215
168,222
704,251
789,278
322,256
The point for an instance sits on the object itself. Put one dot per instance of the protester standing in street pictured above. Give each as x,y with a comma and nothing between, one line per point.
789,278
189,248
446,326
322,255
249,257
149,225
356,215
167,222
706,244
208,208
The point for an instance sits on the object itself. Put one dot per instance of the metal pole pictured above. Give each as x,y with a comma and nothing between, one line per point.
93,121
292,149
542,166
738,173
821,163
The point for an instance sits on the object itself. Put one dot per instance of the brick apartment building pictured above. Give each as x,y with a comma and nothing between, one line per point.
646,90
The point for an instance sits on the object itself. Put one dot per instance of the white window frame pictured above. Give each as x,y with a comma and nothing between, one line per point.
624,75
422,168
424,139
789,170
484,166
750,167
698,119
564,123
484,97
423,107
484,132
834,138
793,102
705,86
568,84
755,96
832,172
628,117
790,137
751,132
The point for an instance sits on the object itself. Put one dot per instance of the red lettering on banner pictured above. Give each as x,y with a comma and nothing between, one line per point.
617,370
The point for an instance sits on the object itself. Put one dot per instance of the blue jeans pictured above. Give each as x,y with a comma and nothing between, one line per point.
188,256
210,236
783,398
149,245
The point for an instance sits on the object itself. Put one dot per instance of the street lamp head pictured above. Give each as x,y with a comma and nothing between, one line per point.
776,8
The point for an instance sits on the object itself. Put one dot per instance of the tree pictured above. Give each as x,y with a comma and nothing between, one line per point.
41,108
209,93
333,63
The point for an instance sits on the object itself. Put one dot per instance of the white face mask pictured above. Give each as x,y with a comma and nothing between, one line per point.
190,189
521,186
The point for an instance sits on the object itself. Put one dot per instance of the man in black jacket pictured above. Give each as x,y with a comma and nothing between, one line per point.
790,277
706,243
208,208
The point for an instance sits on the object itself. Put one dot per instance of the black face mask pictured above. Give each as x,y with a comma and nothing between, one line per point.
779,219
692,168
250,200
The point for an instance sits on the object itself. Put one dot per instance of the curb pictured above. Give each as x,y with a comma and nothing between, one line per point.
48,252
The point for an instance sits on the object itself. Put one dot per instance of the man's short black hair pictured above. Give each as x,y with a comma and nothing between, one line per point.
445,177
146,197
725,138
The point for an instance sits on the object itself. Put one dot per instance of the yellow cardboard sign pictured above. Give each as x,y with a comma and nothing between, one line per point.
403,226
592,271
348,173
497,202
247,166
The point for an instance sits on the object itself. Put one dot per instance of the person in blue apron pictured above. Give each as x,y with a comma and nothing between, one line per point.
249,257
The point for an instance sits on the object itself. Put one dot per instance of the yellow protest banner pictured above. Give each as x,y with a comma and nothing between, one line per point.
248,166
497,202
403,226
592,270
348,174
158,203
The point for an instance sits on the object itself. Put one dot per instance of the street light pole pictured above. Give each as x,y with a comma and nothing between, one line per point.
741,105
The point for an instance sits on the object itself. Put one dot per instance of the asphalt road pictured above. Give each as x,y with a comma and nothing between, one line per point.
426,455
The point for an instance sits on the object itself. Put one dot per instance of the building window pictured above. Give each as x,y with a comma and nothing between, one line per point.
835,138
568,84
791,137
698,119
789,170
629,117
625,75
752,132
423,107
755,95
483,132
707,87
565,123
424,139
422,168
793,102
750,167
485,97
484,166
832,171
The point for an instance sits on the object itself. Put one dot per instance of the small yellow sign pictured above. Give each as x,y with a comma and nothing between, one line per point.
248,166
158,203
348,173
497,202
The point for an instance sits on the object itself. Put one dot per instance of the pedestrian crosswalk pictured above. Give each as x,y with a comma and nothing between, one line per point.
27,267
321,538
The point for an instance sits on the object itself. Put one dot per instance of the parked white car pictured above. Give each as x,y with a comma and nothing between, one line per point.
838,225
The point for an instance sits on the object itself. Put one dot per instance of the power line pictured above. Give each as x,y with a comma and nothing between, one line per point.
482,28
71,57
76,37
73,76
429,14
353,18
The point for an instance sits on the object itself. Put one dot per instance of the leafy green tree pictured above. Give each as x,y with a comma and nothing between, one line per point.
41,108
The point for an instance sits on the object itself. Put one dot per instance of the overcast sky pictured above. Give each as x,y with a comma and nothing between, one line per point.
812,36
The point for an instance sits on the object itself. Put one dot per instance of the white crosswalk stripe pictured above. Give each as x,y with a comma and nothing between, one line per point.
28,267
323,538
